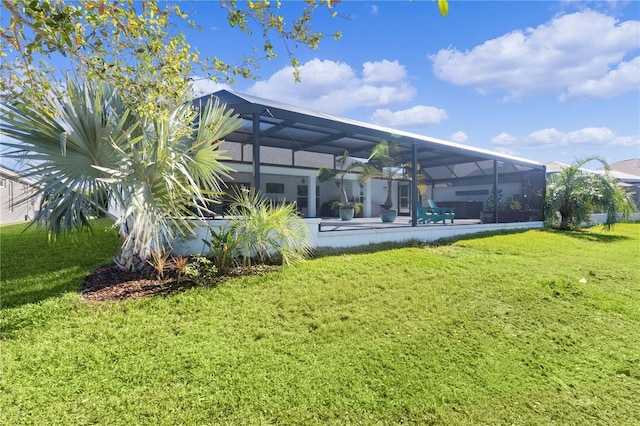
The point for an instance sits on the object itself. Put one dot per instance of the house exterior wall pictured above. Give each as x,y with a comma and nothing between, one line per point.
379,195
17,200
468,193
193,244
290,178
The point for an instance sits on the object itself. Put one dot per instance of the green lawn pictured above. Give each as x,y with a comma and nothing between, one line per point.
529,328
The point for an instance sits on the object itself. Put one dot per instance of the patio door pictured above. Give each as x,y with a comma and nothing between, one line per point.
404,198
302,201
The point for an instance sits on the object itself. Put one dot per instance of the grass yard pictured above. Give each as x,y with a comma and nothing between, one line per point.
529,328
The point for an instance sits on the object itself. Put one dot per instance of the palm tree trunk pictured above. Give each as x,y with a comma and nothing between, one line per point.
130,258
344,198
566,217
130,261
388,203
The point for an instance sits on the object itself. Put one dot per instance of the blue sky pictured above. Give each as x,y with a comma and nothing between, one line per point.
543,80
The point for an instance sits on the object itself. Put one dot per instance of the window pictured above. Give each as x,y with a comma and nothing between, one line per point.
303,197
275,188
472,192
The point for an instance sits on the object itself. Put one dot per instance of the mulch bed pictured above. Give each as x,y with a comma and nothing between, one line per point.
110,283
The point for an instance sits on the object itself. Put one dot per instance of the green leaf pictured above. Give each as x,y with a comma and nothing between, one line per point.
443,7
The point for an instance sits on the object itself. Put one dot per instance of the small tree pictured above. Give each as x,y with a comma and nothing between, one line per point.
136,47
574,194
326,174
384,162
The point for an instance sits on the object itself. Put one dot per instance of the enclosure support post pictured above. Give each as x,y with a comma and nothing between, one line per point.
311,200
495,190
414,186
256,151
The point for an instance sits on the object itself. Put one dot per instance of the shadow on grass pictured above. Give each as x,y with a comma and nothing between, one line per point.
35,269
475,236
26,297
53,283
593,234
364,249
27,251
373,248
601,236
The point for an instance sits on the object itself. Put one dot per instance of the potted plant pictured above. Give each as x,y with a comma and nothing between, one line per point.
347,211
346,208
384,162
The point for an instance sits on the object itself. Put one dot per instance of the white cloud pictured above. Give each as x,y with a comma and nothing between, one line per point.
459,137
504,139
627,141
336,87
564,54
205,86
374,9
414,116
383,72
547,137
551,138
623,79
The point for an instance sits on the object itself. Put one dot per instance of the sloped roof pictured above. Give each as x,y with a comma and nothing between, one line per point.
8,173
555,167
301,129
631,166
624,177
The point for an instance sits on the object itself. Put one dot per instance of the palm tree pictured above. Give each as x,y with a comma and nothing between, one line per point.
326,174
384,162
262,230
88,143
573,194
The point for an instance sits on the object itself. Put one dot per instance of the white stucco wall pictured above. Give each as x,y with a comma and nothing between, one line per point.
353,238
600,218
449,193
14,205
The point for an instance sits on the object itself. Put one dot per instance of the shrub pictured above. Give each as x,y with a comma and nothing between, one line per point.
200,270
265,231
158,262
224,247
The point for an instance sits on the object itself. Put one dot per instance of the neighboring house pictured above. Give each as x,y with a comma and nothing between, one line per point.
18,202
631,166
628,173
291,143
554,167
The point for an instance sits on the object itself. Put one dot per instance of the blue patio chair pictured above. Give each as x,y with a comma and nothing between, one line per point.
446,212
431,214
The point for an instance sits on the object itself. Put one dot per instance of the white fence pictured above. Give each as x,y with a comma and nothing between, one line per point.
600,218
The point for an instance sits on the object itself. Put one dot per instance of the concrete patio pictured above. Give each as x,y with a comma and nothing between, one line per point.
335,224
365,231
